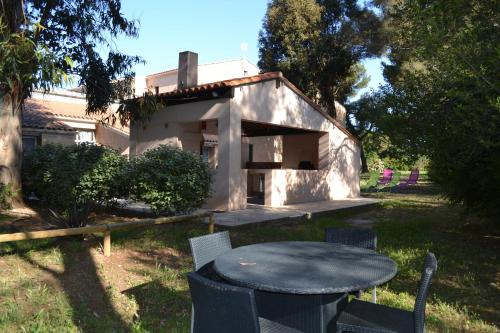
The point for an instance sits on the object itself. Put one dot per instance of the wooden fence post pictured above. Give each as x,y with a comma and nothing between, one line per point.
211,223
107,243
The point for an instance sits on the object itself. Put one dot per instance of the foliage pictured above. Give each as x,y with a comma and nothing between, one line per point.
318,44
44,42
21,57
137,110
372,181
379,157
363,115
6,193
169,180
74,180
444,97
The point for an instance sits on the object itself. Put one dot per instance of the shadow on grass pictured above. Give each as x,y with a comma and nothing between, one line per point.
92,308
159,305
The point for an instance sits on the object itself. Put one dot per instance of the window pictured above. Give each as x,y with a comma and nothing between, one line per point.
205,154
85,136
29,144
157,90
261,183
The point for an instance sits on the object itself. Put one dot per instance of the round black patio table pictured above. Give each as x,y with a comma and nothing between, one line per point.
303,284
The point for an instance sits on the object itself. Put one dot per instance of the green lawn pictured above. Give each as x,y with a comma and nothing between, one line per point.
68,286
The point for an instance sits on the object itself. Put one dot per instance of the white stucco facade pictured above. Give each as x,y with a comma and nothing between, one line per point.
330,152
207,73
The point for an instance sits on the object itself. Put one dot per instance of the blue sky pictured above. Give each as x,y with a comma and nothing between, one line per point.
214,29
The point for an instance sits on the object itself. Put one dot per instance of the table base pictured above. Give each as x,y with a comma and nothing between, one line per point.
305,313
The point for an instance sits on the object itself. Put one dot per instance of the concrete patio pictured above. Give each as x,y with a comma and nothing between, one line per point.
259,214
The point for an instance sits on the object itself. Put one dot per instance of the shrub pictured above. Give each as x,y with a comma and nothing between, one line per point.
170,180
72,181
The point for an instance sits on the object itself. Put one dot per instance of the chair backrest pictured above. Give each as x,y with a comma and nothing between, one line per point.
206,248
386,176
387,172
221,308
364,238
413,178
430,268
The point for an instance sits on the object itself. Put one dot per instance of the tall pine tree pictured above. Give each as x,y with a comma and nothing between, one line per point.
318,45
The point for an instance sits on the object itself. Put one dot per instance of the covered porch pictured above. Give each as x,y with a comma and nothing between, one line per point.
284,165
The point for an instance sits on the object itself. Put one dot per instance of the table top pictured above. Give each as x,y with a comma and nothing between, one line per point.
305,267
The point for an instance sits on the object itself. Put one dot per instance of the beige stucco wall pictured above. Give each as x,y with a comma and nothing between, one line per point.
113,138
267,148
300,147
168,127
337,155
65,139
284,187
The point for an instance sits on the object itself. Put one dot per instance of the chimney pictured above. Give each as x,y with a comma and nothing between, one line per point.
340,113
187,75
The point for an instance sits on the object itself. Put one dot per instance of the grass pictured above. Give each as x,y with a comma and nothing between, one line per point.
66,285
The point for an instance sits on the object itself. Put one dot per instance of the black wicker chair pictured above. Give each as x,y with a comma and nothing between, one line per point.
364,238
204,250
221,308
365,317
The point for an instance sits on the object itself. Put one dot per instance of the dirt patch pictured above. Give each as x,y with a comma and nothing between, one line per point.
15,223
125,268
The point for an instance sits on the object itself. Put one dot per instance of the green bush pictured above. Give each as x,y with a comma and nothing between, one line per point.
72,181
169,180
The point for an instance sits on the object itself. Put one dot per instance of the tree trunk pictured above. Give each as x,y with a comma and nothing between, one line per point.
364,164
11,150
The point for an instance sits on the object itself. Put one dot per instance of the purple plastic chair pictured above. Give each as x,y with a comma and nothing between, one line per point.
386,177
412,179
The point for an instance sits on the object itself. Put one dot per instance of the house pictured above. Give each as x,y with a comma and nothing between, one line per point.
59,117
207,73
259,133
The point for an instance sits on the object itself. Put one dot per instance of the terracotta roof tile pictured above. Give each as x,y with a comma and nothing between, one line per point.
224,84
43,120
57,109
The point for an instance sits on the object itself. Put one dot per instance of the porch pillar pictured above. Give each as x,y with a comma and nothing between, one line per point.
230,183
324,152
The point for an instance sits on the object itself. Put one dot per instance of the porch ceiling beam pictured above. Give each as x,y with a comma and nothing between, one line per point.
254,129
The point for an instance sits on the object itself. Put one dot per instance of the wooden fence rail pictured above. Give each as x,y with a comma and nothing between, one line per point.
105,229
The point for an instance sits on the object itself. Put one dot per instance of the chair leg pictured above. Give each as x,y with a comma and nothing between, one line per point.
192,318
374,295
